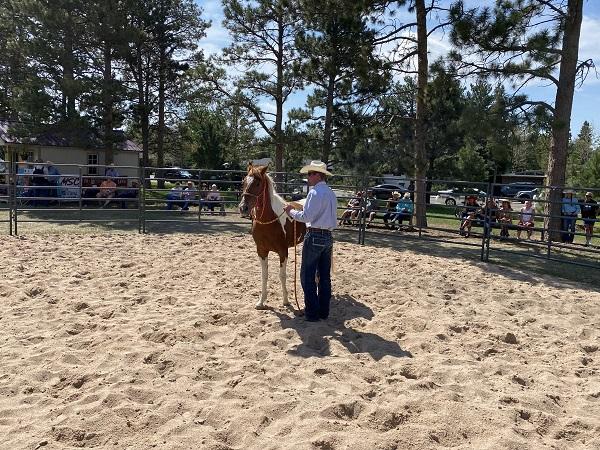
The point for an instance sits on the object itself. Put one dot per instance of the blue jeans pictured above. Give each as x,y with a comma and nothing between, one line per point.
316,258
568,228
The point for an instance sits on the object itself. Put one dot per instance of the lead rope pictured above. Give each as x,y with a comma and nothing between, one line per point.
296,270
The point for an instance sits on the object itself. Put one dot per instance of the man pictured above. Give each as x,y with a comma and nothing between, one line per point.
189,196
569,210
320,216
108,189
589,209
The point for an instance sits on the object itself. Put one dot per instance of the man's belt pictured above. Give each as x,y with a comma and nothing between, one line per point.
319,230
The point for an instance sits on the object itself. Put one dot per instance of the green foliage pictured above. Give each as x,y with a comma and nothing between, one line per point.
471,165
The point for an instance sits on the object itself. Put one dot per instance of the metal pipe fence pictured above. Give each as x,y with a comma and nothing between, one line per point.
151,199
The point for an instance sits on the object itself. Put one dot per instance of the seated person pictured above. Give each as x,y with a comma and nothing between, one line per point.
391,209
504,215
371,208
174,196
128,193
89,192
404,210
108,190
213,199
526,221
189,195
202,195
350,213
489,216
468,215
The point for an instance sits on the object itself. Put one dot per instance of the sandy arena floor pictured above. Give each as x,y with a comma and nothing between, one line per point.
130,341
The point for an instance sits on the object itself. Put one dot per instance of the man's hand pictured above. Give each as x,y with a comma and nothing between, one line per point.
288,208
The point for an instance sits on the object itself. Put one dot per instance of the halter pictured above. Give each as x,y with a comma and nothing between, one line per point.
253,211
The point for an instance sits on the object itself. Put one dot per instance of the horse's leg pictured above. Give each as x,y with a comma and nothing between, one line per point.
283,277
264,264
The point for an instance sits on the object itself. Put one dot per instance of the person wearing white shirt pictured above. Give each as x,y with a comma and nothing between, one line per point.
320,215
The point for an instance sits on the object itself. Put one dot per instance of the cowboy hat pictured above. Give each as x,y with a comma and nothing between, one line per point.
395,194
589,194
316,166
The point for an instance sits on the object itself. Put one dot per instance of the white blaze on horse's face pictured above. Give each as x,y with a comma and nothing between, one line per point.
243,206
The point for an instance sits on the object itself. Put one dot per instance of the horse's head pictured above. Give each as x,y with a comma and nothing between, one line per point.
253,189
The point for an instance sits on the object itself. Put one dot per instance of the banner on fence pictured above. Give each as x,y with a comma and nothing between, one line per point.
69,186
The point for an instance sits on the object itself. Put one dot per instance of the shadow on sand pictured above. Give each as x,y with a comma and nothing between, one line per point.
316,336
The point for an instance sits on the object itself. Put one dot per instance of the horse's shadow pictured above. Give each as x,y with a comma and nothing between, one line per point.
316,336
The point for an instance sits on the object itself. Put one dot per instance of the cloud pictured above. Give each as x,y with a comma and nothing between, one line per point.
589,39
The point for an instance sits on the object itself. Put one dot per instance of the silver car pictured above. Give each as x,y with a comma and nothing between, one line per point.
455,196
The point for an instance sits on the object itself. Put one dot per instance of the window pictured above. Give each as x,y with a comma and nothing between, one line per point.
92,160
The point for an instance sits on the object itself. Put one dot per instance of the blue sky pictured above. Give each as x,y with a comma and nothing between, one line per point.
587,96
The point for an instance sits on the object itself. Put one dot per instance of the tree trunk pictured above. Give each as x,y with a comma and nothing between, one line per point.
557,160
160,138
279,144
107,103
328,129
420,125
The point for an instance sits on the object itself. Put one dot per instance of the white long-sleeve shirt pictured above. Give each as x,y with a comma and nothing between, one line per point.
320,209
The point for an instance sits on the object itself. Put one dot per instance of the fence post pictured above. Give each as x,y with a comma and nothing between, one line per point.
16,201
487,223
11,190
361,212
80,194
139,197
142,199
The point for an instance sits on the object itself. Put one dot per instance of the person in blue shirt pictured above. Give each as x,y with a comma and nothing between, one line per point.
569,211
320,216
404,210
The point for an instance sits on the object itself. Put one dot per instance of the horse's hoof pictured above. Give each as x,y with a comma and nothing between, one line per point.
260,306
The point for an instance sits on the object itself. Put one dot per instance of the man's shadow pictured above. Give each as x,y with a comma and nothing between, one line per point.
316,336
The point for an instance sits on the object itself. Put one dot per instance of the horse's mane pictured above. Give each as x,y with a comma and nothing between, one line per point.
256,172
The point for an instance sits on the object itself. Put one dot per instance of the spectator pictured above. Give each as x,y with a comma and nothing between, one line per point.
526,219
111,171
391,209
489,212
108,189
89,192
214,199
349,214
569,211
39,182
468,214
189,195
504,216
371,208
404,210
129,193
589,210
202,196
53,179
174,196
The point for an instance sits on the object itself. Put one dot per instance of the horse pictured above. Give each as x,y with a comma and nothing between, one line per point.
272,229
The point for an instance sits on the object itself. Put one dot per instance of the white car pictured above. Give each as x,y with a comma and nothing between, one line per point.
457,195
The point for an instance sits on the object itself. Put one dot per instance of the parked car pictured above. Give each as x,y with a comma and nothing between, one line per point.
454,196
174,174
384,191
511,190
530,194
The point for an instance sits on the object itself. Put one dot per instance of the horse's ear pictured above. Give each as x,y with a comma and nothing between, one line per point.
250,166
263,169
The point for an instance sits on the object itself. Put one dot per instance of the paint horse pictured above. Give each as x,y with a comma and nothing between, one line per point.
272,229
